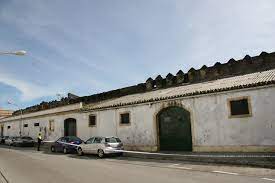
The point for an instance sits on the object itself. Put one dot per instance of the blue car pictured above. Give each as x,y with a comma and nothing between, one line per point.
66,144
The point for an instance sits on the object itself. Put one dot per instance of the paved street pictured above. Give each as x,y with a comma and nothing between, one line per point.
27,166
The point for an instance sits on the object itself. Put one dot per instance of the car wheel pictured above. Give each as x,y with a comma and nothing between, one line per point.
100,153
65,150
52,148
80,151
120,154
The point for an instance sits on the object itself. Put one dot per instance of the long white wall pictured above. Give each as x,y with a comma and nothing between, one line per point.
43,118
212,129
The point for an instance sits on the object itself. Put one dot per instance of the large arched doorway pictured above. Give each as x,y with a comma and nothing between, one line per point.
70,127
1,130
174,129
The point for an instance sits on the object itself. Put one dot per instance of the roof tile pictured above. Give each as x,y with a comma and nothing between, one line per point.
236,82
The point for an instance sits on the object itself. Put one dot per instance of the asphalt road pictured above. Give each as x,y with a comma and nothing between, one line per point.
25,165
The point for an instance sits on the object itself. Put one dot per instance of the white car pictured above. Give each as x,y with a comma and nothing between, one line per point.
10,140
101,146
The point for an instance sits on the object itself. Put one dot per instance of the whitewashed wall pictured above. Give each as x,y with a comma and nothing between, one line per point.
212,129
216,131
42,117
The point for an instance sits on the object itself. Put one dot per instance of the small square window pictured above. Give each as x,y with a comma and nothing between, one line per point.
36,124
8,127
92,120
240,107
25,125
125,118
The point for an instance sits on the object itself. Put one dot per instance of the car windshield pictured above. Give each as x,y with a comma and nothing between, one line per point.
112,140
73,138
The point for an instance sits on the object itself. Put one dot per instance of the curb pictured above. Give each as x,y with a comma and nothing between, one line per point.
242,160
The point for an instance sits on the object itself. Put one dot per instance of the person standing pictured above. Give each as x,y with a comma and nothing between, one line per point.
39,140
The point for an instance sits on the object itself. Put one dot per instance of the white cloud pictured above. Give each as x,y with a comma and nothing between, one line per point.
29,91
91,47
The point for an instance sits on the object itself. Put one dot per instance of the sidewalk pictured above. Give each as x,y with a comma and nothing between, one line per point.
264,160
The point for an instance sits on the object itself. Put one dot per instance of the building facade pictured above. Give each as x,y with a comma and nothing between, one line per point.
3,114
224,108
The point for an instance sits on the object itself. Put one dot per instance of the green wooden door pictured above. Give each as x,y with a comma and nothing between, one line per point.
70,127
174,129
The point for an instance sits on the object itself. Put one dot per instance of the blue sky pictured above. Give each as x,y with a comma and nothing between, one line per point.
90,46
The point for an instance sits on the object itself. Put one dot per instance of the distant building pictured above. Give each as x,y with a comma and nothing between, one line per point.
3,114
226,107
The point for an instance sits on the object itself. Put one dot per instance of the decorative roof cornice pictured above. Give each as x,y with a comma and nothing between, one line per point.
258,79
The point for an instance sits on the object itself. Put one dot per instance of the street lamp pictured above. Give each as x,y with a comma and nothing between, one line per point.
18,53
21,116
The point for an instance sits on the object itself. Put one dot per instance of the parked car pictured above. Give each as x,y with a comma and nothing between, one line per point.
66,144
9,141
24,141
2,139
101,146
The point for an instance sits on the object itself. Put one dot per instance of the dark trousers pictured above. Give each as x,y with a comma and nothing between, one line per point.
38,144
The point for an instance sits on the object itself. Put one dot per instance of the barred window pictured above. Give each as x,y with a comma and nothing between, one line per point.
92,120
26,125
36,124
125,118
240,107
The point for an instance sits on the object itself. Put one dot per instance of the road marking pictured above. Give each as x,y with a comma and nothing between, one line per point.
230,173
174,165
182,167
269,179
179,167
112,160
3,179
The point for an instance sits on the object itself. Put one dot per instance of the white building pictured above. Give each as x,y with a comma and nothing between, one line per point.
228,107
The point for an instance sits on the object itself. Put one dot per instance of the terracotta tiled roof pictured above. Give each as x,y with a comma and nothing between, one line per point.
231,83
5,113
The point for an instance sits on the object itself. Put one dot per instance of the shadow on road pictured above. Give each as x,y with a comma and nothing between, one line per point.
90,157
18,148
87,157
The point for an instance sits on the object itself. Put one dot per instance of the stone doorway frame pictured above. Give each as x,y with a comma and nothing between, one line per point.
168,104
